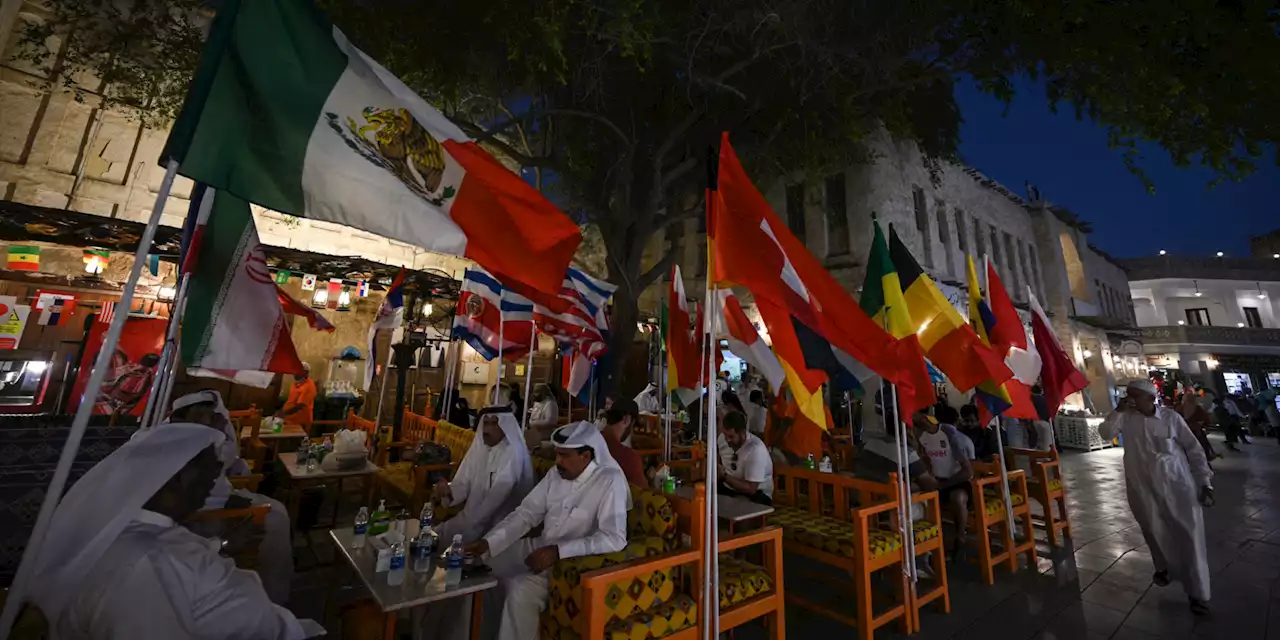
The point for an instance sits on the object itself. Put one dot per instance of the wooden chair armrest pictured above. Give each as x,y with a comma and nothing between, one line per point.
448,466
867,512
257,513
637,567
767,534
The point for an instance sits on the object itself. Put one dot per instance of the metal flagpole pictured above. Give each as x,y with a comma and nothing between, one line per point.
382,388
528,382
502,344
59,482
447,383
904,481
713,461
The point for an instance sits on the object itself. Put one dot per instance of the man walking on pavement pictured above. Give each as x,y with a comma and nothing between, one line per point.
1167,479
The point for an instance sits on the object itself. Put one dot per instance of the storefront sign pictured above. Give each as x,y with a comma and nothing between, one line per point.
13,319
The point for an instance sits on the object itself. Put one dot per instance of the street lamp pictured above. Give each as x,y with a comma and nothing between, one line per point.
1162,252
1219,254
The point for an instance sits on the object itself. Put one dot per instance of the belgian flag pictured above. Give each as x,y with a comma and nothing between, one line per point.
951,344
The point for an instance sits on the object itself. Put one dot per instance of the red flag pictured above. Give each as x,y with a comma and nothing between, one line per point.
1009,339
1058,376
295,308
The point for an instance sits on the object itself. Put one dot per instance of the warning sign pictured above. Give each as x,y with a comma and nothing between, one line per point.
13,318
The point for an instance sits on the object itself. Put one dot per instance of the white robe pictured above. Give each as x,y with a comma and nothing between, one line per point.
275,552
584,516
492,481
159,581
1164,468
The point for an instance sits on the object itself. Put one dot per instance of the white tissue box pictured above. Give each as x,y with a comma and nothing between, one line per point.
382,543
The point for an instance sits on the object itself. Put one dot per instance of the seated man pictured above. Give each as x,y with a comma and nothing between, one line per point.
275,553
495,475
115,563
950,466
544,415
618,420
581,506
747,469
947,419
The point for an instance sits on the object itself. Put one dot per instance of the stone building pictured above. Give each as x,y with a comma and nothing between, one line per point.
1212,321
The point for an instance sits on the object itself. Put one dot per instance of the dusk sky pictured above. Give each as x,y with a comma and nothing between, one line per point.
1070,162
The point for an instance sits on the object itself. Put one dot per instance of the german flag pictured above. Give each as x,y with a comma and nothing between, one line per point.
951,344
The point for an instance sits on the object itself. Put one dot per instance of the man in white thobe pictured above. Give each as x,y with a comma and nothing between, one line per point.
275,553
543,416
494,477
582,507
1167,478
648,401
115,563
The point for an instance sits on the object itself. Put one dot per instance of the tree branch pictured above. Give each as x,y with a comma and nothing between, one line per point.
493,131
663,266
520,157
678,171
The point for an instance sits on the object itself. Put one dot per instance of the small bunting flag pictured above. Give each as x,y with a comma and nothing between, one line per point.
24,258
309,282
96,260
363,289
282,276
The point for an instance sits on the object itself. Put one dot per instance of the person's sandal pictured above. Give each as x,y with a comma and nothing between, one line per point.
1199,607
1160,578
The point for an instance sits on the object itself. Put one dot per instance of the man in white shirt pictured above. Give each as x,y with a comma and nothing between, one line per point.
275,553
495,475
543,416
1167,480
950,467
115,563
582,507
746,468
648,401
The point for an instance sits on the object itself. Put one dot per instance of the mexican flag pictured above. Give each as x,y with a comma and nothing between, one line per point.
235,325
286,113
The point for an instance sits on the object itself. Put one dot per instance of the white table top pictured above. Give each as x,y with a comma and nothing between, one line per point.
731,508
288,431
290,462
417,589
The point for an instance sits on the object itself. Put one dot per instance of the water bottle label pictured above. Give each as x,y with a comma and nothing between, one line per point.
397,562
362,529
421,552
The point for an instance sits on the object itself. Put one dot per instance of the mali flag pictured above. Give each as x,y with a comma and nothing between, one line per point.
949,341
882,299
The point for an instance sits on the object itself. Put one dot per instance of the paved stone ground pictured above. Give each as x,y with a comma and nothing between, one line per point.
1098,588
1102,589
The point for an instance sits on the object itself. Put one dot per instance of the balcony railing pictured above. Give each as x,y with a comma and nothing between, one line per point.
1236,336
1255,269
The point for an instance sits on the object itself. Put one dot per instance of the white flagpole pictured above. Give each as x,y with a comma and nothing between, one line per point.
904,481
528,382
169,358
711,601
447,384
382,388
53,494
1004,476
502,344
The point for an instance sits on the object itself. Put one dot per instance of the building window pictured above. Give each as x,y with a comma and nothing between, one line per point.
922,224
960,236
1026,271
1252,318
1198,317
944,236
1035,272
795,211
1011,263
979,247
837,216
997,253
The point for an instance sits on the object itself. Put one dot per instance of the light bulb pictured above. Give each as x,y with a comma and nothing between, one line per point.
1198,294
1219,254
1182,323
1087,353
1162,252
1240,324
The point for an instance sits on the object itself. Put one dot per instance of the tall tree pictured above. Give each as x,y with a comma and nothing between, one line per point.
611,105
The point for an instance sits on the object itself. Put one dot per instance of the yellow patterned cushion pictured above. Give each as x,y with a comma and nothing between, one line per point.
542,465
741,581
679,614
836,536
925,530
399,475
993,503
651,515
1055,484
643,593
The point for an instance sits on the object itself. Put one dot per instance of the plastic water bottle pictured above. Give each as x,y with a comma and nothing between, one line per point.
421,550
453,562
395,575
427,519
362,528
304,453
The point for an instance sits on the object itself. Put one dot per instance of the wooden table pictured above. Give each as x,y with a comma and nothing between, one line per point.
273,438
419,589
731,509
299,477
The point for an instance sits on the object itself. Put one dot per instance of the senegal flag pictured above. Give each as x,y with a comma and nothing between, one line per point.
286,113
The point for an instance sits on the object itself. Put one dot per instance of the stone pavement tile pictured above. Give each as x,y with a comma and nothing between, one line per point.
1053,635
1093,563
1129,633
1083,618
1104,548
1168,620
1127,578
1111,597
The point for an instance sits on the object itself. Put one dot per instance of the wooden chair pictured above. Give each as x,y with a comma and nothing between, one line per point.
407,479
987,511
248,483
929,542
1045,486
819,522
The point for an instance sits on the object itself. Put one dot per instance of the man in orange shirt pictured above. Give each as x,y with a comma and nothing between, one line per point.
298,409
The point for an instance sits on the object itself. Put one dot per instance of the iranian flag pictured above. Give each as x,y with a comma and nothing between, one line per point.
236,322
286,113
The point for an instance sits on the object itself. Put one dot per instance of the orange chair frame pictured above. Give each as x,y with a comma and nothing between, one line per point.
1046,466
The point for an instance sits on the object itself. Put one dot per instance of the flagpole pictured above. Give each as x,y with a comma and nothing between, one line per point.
711,602
53,494
502,343
1004,475
382,387
162,386
528,382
